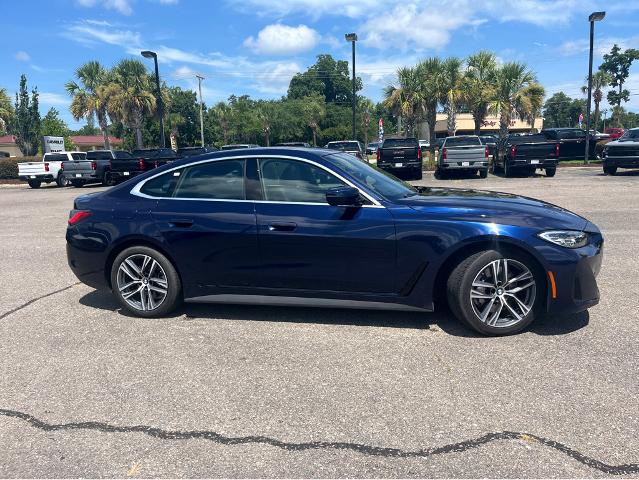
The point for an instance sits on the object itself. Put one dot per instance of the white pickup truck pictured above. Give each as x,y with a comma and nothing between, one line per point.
49,169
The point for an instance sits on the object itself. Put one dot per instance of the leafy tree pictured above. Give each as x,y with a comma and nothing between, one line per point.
328,77
53,125
432,87
512,80
90,96
26,122
452,91
406,98
617,65
479,85
183,104
529,103
562,111
599,80
6,110
129,97
87,130
313,111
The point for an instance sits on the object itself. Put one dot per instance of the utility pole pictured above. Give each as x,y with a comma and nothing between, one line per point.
352,37
594,17
199,83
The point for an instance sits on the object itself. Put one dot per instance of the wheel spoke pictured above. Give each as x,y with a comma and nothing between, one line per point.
512,310
157,289
150,298
486,311
478,294
495,266
128,285
524,308
131,264
125,268
522,276
479,283
505,269
492,321
128,295
153,265
521,287
161,282
145,263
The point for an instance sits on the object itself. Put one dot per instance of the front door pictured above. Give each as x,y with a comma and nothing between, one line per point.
206,222
307,244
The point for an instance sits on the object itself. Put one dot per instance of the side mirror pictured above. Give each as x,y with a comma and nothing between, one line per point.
343,197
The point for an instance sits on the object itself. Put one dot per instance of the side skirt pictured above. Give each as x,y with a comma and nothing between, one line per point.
273,300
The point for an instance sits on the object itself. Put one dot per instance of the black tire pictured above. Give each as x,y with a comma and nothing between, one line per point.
34,183
483,173
459,286
610,170
551,171
77,183
418,175
440,174
173,296
61,181
494,168
106,179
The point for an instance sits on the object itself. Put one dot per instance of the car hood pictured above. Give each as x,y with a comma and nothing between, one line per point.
493,207
622,143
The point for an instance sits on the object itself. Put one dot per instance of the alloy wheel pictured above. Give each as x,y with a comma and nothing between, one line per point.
142,282
503,293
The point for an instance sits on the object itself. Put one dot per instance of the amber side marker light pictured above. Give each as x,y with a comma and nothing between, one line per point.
553,286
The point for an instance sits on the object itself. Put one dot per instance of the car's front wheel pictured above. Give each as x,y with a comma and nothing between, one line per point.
495,293
610,170
145,282
551,171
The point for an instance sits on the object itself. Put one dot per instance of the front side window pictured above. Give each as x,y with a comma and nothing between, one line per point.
286,180
223,180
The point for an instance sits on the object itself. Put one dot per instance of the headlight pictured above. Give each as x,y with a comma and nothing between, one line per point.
566,238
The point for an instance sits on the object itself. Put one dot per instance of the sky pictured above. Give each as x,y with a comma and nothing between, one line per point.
254,47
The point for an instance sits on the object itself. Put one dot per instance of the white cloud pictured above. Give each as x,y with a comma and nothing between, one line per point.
275,78
278,39
601,46
53,99
121,6
312,8
89,33
22,56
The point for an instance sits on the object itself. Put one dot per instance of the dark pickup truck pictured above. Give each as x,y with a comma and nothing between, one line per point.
193,151
572,142
94,169
621,153
140,161
401,157
526,153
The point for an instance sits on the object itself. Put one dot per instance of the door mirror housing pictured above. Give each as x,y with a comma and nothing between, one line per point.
343,197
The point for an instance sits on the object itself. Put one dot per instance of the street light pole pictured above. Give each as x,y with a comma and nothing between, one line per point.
594,17
352,37
199,83
154,56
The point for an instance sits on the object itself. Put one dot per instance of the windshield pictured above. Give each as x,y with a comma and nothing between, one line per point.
630,135
462,141
382,183
400,142
343,145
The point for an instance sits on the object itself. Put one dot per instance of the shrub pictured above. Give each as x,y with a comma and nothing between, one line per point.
9,166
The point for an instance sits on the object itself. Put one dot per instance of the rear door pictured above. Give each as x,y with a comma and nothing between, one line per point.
307,244
206,222
572,143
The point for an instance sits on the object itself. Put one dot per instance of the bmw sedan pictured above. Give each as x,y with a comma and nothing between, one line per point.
315,227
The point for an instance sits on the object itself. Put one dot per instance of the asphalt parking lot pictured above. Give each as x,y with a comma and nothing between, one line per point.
234,391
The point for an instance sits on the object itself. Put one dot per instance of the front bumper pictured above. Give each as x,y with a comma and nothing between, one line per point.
621,162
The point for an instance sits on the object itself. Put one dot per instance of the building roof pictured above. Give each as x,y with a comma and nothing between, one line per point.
93,140
8,139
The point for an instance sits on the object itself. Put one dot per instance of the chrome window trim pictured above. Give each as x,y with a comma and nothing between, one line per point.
136,189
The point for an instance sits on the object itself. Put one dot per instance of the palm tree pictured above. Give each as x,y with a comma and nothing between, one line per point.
529,103
432,87
89,96
6,110
267,114
405,98
452,91
600,79
479,85
511,81
223,114
129,96
314,111
393,103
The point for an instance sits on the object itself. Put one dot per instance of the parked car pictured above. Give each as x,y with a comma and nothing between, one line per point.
440,142
572,142
294,144
48,170
462,153
139,162
401,157
95,168
526,153
615,132
315,227
193,151
491,142
622,153
237,146
371,148
353,147
424,145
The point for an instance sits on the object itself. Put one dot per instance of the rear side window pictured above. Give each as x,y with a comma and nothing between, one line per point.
162,185
462,141
55,157
213,180
400,142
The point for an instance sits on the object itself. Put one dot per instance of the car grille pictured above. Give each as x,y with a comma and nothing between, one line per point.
619,151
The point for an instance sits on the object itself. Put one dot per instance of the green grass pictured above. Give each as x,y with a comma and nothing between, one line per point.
579,162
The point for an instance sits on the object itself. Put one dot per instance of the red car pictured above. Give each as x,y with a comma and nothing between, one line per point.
614,133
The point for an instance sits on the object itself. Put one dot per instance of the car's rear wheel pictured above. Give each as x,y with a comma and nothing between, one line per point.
145,282
495,293
610,170
508,170
62,181
35,183
418,175
551,171
77,183
106,179
483,173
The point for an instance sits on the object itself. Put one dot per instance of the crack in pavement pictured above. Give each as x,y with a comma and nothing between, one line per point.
355,447
33,300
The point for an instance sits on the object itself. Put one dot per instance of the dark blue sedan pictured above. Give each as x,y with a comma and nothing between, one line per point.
316,227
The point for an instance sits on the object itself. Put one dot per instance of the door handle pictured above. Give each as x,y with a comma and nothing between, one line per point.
282,226
181,222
